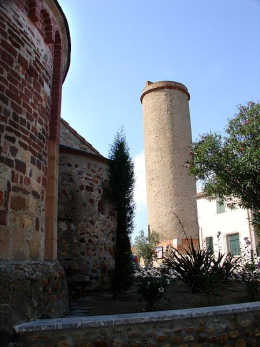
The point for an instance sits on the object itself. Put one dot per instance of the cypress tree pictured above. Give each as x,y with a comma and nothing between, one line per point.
120,192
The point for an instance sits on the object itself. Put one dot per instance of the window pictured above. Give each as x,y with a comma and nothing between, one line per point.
2,199
220,206
159,252
209,244
103,206
233,244
100,207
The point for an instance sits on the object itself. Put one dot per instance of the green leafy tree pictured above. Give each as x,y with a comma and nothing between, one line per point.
145,246
119,190
228,166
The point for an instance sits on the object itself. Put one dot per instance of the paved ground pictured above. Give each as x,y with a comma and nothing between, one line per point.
102,303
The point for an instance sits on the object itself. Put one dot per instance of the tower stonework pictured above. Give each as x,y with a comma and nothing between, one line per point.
171,190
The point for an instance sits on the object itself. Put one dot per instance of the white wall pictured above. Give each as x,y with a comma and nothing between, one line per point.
228,222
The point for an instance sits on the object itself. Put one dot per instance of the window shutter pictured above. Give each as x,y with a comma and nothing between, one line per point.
234,246
209,244
220,206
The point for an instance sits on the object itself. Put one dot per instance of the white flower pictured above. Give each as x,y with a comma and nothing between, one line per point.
161,290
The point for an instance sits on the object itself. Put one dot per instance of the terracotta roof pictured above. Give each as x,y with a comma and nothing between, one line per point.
200,194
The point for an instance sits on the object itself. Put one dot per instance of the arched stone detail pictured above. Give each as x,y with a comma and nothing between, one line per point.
34,10
48,27
38,13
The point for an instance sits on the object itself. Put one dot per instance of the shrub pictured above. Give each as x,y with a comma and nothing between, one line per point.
250,277
151,283
249,272
201,270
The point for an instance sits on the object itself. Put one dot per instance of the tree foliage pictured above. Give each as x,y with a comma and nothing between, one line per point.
228,166
145,246
119,190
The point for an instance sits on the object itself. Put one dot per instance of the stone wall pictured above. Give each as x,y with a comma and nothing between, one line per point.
30,290
33,62
85,219
231,325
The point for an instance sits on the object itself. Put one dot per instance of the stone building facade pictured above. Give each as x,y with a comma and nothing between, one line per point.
85,220
171,191
36,147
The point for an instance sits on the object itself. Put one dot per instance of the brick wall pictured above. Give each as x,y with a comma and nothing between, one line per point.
31,72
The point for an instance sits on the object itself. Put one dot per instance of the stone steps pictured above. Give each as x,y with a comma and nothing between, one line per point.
80,307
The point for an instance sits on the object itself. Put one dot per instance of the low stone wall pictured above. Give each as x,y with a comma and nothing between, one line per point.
29,291
231,325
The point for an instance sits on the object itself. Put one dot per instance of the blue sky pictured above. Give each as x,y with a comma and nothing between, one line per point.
212,47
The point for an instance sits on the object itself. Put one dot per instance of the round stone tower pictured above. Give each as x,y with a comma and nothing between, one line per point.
171,190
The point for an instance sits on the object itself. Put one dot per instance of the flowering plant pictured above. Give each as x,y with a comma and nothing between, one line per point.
228,165
249,272
151,283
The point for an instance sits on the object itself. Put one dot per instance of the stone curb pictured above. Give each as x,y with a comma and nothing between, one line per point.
132,318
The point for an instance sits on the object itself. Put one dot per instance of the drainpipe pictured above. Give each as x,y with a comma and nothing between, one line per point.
251,238
200,238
